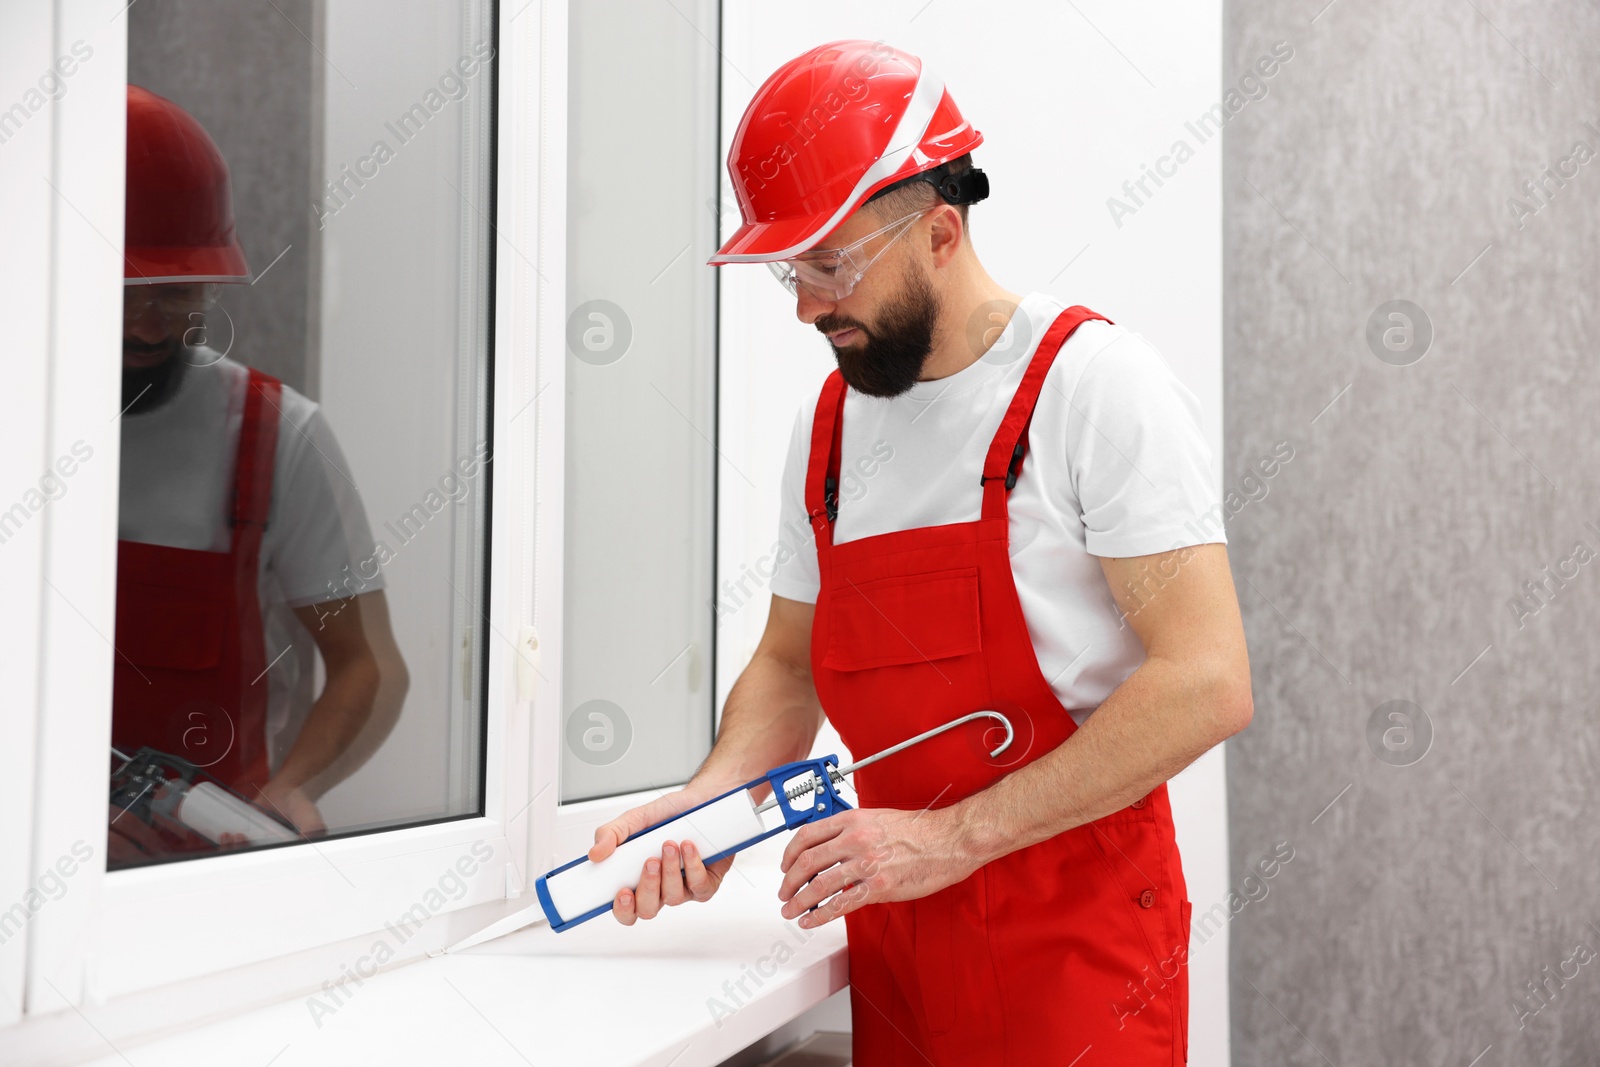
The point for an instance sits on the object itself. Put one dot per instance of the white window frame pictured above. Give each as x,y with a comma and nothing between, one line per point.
149,935
26,42
158,947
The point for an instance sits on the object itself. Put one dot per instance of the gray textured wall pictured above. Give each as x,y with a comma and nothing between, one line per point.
246,72
1426,897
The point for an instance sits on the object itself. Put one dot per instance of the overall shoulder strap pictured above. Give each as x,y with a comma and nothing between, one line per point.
1004,460
252,496
258,448
822,470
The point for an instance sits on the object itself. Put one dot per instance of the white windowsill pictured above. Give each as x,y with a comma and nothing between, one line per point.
598,994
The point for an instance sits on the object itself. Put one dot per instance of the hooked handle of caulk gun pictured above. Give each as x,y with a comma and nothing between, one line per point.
728,823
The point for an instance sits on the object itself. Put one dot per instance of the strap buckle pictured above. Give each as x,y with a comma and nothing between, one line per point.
233,511
830,500
1011,469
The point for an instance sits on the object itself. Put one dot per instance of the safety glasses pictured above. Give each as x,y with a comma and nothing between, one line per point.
172,301
833,273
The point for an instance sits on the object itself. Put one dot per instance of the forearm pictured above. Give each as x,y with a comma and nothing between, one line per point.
771,718
359,706
393,683
1159,720
332,726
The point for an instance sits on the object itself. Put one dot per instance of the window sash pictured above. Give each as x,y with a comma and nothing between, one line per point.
135,930
95,943
27,49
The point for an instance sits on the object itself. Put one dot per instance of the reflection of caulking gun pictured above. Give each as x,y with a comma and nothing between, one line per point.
210,808
580,890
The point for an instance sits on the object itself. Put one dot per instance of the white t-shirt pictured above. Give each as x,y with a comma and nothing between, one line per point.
177,490
1116,465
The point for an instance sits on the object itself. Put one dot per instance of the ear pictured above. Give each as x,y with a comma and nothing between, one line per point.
945,234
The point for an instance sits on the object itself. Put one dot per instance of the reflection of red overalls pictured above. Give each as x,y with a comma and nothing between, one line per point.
191,656
1070,951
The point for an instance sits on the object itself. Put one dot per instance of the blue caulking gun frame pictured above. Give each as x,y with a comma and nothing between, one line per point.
790,781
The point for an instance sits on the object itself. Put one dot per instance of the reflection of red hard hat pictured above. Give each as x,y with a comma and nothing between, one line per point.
826,131
179,210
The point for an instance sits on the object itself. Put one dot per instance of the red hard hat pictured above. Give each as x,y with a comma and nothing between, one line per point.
179,208
826,131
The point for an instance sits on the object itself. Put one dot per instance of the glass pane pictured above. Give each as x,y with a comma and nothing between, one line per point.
640,405
303,527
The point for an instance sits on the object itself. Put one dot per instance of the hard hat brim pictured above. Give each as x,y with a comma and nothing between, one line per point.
766,242
166,263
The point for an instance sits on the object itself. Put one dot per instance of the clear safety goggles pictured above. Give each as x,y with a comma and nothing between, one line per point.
170,300
832,274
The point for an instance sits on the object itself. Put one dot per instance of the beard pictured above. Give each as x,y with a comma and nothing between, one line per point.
887,359
147,388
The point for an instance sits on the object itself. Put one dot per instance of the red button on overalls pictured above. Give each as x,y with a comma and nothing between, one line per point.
1043,956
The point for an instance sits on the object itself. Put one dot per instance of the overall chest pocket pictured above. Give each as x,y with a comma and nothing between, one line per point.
909,618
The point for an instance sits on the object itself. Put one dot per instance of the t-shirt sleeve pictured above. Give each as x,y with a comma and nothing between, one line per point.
1139,460
794,574
323,549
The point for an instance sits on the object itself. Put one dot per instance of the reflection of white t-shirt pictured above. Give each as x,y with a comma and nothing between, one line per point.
177,490
1117,465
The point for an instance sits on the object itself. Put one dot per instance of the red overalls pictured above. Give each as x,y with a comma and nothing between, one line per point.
1072,951
191,656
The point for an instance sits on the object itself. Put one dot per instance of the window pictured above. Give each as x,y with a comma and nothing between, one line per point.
376,156
299,629
641,463
402,216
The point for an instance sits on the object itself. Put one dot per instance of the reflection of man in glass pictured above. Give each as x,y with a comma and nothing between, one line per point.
239,522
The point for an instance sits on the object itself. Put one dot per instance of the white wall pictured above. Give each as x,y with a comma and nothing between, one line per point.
1072,101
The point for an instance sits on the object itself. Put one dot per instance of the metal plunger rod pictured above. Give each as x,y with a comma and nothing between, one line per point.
809,783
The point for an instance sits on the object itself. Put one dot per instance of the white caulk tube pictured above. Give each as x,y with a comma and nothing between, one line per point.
211,811
719,828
